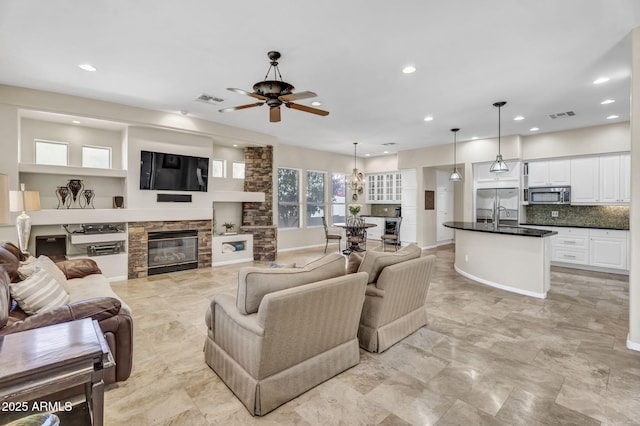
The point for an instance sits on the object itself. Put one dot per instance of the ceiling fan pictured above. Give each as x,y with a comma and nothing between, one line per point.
274,93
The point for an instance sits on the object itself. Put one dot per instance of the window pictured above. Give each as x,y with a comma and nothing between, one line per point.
338,197
54,153
218,168
316,205
288,198
96,156
238,170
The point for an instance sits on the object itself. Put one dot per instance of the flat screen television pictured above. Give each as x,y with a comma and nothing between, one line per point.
173,172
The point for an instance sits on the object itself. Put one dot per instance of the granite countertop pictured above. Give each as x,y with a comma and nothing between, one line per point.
372,215
576,226
506,230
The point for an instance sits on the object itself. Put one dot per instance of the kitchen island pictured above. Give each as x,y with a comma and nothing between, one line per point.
511,258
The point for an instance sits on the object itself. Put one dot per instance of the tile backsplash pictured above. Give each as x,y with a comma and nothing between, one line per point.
596,216
384,209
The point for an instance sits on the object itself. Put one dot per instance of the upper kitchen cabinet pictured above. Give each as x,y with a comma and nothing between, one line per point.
549,173
486,179
615,179
384,187
601,180
584,180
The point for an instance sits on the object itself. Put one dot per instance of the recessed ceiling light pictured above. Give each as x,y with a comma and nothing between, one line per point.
474,138
607,101
534,129
600,80
518,118
367,155
316,103
409,69
87,67
385,152
428,118
75,121
235,145
611,117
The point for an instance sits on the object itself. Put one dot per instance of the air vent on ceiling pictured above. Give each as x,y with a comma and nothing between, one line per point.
210,99
389,144
562,115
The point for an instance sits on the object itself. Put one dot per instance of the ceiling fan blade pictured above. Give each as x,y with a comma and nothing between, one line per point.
307,109
274,114
244,92
241,107
296,96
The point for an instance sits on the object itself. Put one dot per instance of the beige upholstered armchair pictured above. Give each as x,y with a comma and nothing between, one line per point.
394,305
288,330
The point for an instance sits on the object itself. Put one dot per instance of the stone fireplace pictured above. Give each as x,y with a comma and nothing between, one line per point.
169,251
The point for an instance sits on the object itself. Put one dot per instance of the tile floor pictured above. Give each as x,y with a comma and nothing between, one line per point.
487,357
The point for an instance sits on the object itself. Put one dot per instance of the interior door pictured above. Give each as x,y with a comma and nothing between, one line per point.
444,212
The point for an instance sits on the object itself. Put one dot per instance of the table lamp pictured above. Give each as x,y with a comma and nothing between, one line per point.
22,201
4,198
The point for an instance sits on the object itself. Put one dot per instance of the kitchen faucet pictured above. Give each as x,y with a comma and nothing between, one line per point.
496,214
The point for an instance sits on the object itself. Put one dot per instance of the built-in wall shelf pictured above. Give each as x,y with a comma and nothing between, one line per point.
228,249
237,196
77,216
70,170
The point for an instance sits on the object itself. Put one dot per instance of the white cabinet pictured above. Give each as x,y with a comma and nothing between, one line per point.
615,177
375,233
584,179
486,179
384,187
571,245
549,173
608,248
601,180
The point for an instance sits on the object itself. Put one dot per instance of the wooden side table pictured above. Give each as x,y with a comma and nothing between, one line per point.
39,362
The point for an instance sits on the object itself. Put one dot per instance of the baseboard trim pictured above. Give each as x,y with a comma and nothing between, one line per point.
500,286
633,345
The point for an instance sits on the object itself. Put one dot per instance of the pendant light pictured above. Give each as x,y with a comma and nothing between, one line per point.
356,180
455,174
499,166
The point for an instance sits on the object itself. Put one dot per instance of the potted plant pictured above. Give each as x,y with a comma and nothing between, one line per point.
228,226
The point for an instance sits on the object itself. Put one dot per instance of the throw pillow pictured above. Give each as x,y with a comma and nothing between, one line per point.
39,293
375,261
27,267
354,261
44,263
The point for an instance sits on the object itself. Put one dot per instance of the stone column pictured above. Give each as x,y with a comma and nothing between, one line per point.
257,218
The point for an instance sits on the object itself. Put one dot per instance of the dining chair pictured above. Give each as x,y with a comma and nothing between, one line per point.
392,238
330,236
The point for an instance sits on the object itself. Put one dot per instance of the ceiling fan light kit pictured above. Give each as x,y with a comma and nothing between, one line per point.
275,93
455,174
499,166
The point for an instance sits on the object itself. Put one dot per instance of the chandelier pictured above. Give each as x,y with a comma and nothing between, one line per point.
356,180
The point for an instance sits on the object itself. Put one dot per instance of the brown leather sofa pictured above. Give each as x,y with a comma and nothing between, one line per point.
91,297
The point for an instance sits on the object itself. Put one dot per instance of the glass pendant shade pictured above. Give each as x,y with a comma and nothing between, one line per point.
499,166
455,174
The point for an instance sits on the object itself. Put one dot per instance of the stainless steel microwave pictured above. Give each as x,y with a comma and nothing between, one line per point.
550,195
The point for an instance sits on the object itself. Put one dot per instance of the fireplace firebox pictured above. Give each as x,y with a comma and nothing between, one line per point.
170,251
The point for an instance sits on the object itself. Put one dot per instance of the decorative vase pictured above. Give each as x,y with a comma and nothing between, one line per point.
62,193
75,186
88,195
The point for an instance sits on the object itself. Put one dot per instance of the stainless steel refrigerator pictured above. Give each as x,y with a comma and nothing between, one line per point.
504,199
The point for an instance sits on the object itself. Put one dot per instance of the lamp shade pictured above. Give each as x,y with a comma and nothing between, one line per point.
4,198
24,201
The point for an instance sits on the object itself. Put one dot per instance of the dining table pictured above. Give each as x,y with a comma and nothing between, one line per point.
355,229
